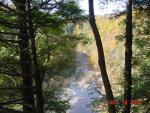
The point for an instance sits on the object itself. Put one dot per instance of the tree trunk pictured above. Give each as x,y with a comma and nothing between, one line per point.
128,59
38,81
101,58
25,58
37,72
26,63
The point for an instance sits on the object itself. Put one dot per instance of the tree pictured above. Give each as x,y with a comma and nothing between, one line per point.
101,58
128,59
28,17
141,61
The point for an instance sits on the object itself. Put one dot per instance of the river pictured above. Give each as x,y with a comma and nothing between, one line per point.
82,85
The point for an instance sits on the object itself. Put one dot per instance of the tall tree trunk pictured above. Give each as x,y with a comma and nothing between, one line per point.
25,61
25,58
38,78
37,72
101,58
128,59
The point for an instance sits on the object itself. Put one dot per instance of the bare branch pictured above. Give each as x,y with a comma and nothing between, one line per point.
8,110
10,102
117,15
16,88
6,41
9,33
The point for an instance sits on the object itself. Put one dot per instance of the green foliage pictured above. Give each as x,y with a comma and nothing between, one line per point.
141,60
54,45
69,9
53,94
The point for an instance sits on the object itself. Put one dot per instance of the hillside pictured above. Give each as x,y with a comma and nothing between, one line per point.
114,50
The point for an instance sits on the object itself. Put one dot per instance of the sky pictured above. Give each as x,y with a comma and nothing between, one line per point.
109,9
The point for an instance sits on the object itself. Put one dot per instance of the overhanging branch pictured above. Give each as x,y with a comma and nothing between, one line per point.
9,33
7,7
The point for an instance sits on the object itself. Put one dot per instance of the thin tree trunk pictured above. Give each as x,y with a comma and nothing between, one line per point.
38,81
25,58
37,72
128,59
101,58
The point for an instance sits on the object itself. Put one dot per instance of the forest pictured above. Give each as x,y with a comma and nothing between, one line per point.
58,57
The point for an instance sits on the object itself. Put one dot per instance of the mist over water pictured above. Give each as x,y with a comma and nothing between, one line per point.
79,86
